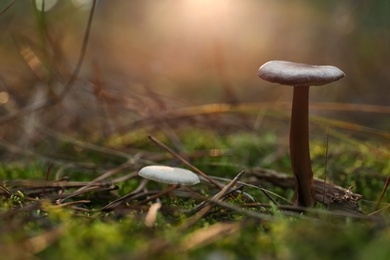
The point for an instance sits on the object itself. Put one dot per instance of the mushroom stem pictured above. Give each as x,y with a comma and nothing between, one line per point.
299,147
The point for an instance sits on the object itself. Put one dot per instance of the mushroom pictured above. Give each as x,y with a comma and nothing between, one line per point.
300,76
169,175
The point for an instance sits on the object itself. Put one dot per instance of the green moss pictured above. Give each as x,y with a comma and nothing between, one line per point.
117,235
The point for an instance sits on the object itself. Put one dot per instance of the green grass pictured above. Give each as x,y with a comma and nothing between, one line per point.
32,223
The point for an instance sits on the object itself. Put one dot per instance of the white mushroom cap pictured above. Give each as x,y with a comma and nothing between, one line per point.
169,175
298,74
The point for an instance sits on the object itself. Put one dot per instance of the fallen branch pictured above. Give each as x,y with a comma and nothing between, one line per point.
331,195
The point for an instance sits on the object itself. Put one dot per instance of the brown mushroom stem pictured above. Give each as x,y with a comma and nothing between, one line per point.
299,147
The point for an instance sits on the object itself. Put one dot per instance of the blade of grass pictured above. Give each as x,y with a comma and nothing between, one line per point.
326,164
383,193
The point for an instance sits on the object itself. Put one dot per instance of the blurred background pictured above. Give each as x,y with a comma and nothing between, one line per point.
145,57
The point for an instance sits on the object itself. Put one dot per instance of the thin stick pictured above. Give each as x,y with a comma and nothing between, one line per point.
52,101
83,51
160,194
71,203
7,7
177,156
116,202
46,178
5,190
203,208
383,193
326,164
259,187
105,175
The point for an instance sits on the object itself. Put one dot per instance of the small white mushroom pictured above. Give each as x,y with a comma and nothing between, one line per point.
169,175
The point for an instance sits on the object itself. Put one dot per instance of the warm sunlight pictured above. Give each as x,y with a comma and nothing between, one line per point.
210,15
167,129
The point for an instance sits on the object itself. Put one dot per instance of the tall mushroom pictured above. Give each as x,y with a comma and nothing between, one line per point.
300,77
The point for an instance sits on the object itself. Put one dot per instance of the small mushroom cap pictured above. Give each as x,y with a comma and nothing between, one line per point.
298,74
169,175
